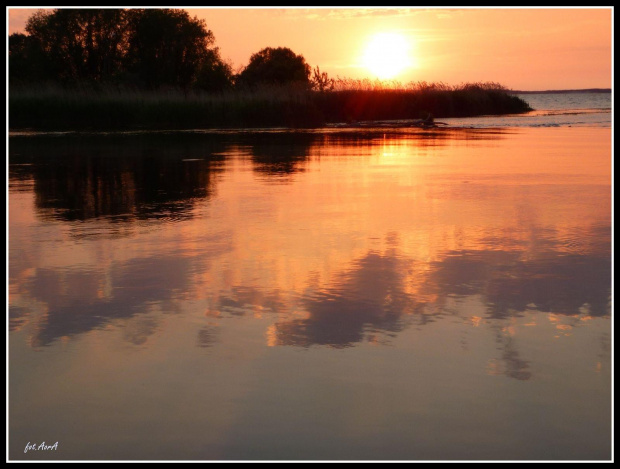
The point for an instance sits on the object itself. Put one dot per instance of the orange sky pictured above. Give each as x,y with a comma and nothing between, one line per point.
527,49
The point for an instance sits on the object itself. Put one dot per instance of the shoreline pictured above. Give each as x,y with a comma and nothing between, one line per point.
290,107
331,130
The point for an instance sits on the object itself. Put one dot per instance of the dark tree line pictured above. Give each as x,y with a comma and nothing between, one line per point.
147,48
143,48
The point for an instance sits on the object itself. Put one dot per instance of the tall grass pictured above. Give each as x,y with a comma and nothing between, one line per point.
104,108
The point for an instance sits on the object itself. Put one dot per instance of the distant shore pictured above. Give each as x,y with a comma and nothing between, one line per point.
585,90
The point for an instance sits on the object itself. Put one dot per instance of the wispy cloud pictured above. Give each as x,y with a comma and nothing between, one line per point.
347,13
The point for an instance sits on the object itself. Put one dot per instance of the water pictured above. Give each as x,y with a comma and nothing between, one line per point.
334,295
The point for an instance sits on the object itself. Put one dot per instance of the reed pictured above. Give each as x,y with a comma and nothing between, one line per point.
107,107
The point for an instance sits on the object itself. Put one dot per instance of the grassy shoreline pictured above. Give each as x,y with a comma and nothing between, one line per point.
116,109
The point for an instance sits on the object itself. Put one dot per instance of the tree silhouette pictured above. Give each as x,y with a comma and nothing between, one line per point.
167,47
213,74
276,66
81,43
148,48
27,60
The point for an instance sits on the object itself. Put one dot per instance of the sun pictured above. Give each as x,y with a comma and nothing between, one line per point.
387,54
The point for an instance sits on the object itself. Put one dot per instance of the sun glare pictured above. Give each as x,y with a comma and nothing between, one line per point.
386,55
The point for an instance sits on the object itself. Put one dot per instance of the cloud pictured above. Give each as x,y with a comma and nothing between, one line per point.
368,299
322,14
75,303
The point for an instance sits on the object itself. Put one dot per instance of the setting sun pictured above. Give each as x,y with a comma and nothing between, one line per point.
387,54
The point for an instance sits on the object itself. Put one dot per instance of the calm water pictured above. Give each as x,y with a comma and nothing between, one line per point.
407,295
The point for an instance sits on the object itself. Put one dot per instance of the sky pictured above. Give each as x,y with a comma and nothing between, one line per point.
520,48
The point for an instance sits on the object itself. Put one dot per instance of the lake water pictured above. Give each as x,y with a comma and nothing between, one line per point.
399,294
